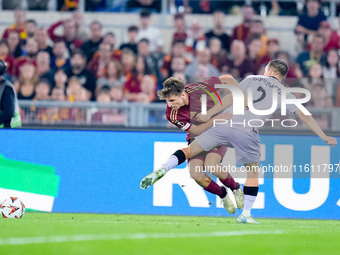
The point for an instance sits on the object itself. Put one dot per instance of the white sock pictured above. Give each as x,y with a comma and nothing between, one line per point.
170,163
246,213
248,204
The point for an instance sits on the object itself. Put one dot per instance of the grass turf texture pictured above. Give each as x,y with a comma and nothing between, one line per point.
154,234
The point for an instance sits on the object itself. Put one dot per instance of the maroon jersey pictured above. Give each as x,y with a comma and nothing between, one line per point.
185,116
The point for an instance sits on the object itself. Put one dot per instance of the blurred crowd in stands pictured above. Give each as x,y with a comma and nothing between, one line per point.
82,64
263,8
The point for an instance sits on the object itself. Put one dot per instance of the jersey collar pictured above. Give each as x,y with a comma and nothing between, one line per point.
274,78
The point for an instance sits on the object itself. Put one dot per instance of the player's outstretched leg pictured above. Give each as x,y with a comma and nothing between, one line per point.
175,159
150,179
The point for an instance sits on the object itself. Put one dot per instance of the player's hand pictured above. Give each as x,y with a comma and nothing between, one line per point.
330,140
224,116
203,118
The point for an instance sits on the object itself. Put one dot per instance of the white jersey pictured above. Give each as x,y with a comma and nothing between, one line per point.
262,88
239,131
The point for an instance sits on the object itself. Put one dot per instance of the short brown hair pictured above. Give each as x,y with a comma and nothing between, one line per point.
171,86
279,66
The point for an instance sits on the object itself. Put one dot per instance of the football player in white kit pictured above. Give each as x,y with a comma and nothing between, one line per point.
244,138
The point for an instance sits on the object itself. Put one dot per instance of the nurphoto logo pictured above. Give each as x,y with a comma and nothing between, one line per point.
239,108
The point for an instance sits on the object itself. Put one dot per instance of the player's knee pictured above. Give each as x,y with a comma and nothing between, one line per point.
211,166
195,175
186,152
202,182
201,179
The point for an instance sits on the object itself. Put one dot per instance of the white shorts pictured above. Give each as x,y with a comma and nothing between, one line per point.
245,141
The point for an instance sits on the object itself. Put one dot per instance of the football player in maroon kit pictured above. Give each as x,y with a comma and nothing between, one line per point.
183,108
245,138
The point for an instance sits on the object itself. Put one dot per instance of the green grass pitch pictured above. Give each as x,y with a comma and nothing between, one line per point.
61,234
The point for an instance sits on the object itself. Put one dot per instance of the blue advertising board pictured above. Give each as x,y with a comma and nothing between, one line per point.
100,172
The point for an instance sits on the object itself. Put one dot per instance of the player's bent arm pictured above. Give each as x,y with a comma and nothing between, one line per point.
228,79
314,126
226,101
199,129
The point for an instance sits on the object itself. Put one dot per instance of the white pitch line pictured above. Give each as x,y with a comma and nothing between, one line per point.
79,238
131,222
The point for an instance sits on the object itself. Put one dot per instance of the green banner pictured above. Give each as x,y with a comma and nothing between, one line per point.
28,177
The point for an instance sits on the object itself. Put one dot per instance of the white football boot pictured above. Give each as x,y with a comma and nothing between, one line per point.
246,220
152,178
228,204
239,197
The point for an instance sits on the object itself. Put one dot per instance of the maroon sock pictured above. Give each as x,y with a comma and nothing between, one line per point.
230,182
214,188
